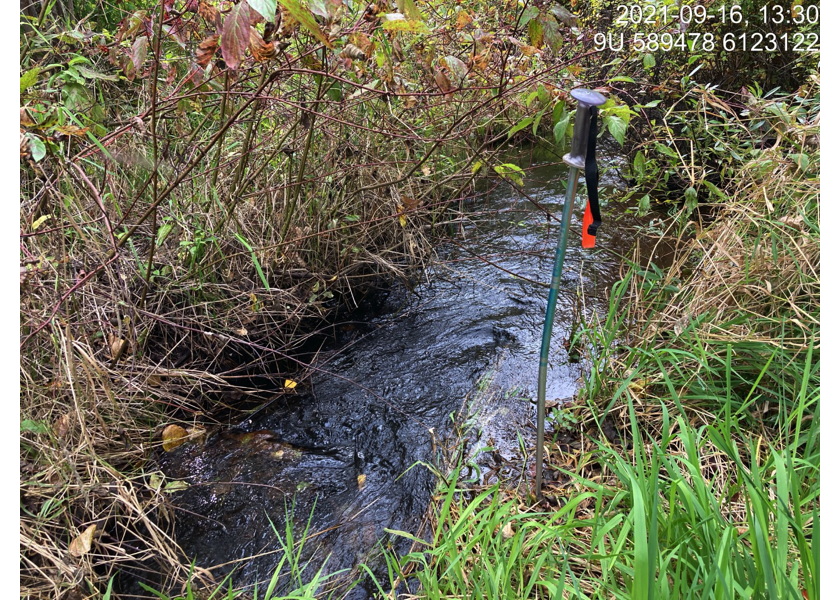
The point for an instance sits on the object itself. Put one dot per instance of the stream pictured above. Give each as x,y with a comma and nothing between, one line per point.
346,458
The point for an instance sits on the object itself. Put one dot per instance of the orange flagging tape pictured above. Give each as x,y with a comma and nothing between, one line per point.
588,240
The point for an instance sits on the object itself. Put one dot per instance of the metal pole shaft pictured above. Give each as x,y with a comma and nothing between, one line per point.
559,256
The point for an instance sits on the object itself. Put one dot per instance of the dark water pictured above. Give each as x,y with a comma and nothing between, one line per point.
348,447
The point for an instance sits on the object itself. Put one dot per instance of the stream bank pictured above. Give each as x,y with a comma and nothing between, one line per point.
351,458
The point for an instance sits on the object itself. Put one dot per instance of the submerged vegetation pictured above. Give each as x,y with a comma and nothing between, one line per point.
205,184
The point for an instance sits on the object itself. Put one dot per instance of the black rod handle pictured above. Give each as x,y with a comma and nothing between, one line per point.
580,136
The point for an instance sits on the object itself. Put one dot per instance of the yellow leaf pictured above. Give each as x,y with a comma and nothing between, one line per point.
463,20
72,130
477,167
173,436
40,221
81,545
290,385
361,479
403,220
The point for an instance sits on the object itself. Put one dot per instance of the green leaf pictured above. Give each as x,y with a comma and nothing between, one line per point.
714,189
544,95
535,34
36,147
622,78
162,233
335,92
305,18
531,97
520,126
510,171
266,8
28,79
558,112
649,61
528,14
560,128
255,260
551,31
662,148
690,200
537,120
617,128
33,426
91,74
639,165
802,161
640,542
411,11
175,486
644,204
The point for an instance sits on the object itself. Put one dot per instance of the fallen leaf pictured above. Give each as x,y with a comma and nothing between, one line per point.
25,118
175,486
290,384
117,346
173,436
81,545
507,531
361,480
61,427
795,222
197,434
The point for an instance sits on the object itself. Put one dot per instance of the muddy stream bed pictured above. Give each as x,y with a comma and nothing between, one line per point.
340,457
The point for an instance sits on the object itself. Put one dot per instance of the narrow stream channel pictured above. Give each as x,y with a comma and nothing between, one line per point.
348,454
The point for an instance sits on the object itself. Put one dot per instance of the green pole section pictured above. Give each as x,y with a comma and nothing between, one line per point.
559,257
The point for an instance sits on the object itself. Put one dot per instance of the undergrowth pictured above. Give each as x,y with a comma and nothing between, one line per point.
203,186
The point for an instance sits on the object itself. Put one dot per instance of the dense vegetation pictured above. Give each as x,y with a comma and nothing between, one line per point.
206,183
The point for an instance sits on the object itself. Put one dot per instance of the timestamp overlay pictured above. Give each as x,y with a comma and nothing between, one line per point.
711,27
